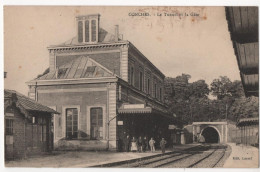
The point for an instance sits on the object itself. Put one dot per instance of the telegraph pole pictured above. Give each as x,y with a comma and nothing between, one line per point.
226,111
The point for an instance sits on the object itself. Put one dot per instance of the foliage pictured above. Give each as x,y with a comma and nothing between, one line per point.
223,88
182,97
191,102
244,107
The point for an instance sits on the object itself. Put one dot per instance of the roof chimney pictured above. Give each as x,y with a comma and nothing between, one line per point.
88,28
116,33
14,97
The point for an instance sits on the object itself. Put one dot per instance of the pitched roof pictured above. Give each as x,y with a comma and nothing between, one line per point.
27,103
80,67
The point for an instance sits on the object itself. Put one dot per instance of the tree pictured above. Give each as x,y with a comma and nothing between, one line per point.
199,89
187,100
231,101
244,107
190,101
223,88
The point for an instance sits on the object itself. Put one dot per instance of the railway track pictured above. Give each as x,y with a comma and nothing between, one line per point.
202,156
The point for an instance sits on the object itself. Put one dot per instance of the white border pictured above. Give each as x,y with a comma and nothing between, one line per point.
134,2
110,3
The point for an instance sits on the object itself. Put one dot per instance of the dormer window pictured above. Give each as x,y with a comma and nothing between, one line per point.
88,27
61,73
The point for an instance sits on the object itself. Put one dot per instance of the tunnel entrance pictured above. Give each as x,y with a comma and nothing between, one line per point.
211,135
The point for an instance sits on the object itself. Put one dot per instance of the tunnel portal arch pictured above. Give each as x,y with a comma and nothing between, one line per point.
219,128
211,134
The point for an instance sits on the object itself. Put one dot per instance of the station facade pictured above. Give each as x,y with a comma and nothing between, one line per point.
104,89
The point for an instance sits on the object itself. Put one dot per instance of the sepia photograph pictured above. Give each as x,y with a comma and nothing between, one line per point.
131,86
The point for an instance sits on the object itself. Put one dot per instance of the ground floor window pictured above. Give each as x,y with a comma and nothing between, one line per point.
96,118
9,126
72,123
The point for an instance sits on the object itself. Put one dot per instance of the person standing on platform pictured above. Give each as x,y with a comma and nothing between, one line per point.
151,144
145,143
127,143
133,145
140,144
162,144
201,139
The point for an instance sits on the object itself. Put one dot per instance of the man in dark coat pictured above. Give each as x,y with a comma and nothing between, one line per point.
140,144
127,143
145,143
162,144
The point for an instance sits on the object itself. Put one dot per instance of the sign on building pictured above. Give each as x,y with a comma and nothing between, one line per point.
171,127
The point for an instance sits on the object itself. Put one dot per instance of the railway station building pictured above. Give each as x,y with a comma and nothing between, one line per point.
104,89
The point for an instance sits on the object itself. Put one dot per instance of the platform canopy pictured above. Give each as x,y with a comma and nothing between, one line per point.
248,121
142,109
135,110
243,27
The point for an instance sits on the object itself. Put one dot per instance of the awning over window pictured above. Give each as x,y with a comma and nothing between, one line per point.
135,110
142,109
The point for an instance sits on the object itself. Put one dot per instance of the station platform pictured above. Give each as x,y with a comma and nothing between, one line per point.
81,159
242,157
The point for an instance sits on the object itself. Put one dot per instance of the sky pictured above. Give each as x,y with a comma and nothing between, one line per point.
196,45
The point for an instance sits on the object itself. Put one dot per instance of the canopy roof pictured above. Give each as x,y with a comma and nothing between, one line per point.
143,109
243,27
25,103
135,110
248,121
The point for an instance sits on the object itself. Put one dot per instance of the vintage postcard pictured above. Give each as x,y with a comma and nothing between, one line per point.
122,86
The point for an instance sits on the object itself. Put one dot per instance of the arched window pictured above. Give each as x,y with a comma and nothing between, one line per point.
148,86
141,81
132,76
155,90
96,118
160,92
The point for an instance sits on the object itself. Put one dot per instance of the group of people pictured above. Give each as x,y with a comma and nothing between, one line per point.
141,144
